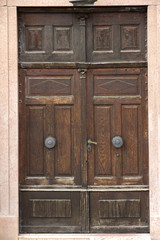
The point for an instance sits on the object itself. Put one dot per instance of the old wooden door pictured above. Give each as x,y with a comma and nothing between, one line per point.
83,120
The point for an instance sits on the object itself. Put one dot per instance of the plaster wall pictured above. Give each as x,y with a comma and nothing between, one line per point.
9,119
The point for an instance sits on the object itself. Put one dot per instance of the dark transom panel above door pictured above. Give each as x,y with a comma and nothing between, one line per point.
81,36
83,82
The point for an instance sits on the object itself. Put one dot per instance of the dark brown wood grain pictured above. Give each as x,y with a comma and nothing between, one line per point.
64,136
51,116
84,36
103,133
116,36
121,211
121,117
35,136
131,133
83,75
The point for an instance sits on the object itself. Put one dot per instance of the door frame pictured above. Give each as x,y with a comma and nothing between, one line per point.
9,123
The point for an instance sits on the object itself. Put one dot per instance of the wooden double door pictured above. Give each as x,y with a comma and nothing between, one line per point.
83,120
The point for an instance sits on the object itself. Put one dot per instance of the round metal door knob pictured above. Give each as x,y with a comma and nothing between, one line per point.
50,142
117,142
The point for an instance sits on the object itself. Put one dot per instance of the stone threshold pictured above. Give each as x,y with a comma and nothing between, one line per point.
84,237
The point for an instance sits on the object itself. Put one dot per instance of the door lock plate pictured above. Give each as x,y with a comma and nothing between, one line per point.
89,148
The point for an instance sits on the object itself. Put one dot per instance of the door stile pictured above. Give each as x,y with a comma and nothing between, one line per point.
84,195
22,124
84,161
117,153
84,202
90,133
77,130
144,152
49,131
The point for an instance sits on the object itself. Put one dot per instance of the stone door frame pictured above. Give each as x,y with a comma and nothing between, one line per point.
9,203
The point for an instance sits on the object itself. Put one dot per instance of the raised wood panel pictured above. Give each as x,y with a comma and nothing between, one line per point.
131,131
63,134
50,211
102,38
130,38
63,39
113,85
45,208
103,133
119,208
35,138
121,212
34,38
49,86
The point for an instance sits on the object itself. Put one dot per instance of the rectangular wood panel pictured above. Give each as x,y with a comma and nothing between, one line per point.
118,211
51,208
103,38
34,38
63,38
50,211
119,208
116,84
130,133
63,133
103,151
130,38
35,133
49,86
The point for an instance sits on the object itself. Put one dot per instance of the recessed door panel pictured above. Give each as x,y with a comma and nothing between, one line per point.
103,152
64,136
131,131
50,212
35,136
49,86
118,212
